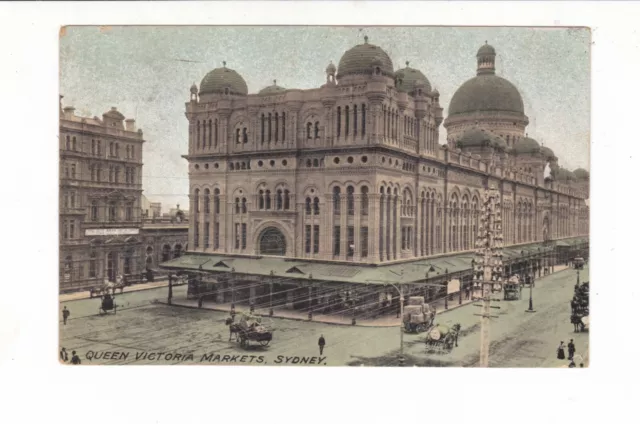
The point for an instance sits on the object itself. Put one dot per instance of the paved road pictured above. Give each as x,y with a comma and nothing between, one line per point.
520,339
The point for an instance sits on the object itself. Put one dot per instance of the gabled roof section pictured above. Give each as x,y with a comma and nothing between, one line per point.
221,264
294,269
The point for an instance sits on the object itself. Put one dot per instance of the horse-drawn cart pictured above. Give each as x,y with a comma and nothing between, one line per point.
107,304
250,329
417,316
443,338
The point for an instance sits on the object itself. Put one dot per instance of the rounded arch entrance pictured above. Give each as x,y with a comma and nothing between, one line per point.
272,242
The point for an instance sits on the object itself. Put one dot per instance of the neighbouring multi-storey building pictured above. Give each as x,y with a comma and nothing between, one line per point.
100,189
347,183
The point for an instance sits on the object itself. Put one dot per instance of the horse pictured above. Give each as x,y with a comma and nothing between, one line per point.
578,325
233,328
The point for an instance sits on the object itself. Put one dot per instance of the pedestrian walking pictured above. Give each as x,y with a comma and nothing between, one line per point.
321,343
64,357
572,350
75,359
65,315
467,293
561,351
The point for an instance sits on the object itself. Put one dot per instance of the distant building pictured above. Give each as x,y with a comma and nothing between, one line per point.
164,236
100,191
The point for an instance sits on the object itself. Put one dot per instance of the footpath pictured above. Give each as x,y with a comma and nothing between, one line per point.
132,288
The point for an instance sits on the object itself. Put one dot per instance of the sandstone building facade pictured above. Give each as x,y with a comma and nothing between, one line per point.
352,171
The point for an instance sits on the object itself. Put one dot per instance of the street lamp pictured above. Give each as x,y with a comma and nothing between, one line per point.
531,282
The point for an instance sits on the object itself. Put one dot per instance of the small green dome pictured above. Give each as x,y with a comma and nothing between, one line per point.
362,58
408,78
272,89
477,137
223,78
486,50
547,153
581,174
526,145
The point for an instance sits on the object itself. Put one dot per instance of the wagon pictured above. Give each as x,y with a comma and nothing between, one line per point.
443,338
108,304
250,329
512,291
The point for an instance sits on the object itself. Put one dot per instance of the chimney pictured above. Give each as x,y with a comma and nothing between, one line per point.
69,111
130,124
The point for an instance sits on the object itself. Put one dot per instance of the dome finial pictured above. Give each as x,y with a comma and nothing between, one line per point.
366,39
486,42
407,63
274,82
224,63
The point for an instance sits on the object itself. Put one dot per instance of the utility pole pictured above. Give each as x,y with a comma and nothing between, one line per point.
488,267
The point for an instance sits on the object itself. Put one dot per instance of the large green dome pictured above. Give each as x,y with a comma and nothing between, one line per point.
581,174
547,153
273,89
408,78
362,59
223,78
486,93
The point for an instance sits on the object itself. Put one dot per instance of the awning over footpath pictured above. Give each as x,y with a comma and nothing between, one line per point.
344,272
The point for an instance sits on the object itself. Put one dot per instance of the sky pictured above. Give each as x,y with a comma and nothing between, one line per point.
146,72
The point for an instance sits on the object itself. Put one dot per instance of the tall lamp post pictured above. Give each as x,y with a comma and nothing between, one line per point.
531,282
401,294
488,266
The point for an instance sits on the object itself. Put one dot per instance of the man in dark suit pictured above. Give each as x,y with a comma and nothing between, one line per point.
321,343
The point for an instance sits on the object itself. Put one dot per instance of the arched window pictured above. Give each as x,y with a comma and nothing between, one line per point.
307,205
364,117
198,134
245,136
317,129
315,163
350,200
92,265
261,200
68,268
262,129
204,134
196,201
283,126
216,200
244,205
93,146
316,206
267,199
127,152
279,199
338,119
237,135
215,136
346,120
355,120
94,210
364,205
277,132
336,200
269,134
112,212
286,199
308,130
68,143
74,146
206,200
210,131
237,205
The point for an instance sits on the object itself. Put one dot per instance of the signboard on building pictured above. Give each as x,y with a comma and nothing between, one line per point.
453,286
112,232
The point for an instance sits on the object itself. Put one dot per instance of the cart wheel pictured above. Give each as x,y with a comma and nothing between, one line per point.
420,328
264,342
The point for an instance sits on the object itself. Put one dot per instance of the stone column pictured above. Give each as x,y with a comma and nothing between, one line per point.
418,225
201,223
398,238
343,227
299,227
326,227
357,254
374,227
224,242
212,220
192,222
384,218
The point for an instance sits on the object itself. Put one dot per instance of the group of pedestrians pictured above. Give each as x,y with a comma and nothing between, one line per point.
571,349
64,357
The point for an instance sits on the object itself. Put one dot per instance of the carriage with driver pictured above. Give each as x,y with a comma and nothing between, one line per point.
249,329
107,304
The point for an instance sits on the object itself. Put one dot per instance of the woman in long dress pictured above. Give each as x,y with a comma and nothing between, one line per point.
561,351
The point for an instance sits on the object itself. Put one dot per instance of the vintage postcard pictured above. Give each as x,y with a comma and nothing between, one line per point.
324,196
